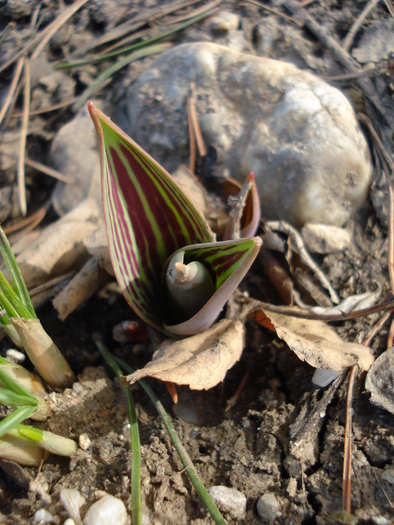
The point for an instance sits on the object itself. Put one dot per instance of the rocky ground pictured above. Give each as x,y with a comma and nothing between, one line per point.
283,438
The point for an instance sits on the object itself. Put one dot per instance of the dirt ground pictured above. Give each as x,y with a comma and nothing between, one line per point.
283,435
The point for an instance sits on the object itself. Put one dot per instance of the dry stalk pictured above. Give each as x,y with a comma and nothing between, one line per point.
13,86
357,24
22,147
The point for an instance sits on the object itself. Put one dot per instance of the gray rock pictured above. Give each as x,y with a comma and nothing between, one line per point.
376,42
229,501
297,134
380,381
268,506
74,153
320,238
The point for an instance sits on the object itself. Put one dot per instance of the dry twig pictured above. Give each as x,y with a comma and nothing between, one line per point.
13,86
286,228
338,52
358,23
22,149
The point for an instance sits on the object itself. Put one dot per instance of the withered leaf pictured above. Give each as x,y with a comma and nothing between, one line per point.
316,342
200,361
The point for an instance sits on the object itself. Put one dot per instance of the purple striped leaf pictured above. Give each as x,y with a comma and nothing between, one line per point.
148,218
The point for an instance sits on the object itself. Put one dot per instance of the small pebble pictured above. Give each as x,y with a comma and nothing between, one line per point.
14,355
106,511
72,500
84,442
320,238
44,516
268,506
224,21
323,377
69,521
230,501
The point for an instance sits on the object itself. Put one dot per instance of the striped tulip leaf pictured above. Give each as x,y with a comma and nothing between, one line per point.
228,262
149,218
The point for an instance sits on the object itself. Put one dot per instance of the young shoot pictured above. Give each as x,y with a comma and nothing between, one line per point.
20,321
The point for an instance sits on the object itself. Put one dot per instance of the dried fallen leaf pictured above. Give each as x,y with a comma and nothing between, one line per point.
200,361
315,342
59,246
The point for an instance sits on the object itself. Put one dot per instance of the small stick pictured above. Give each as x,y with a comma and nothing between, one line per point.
22,148
303,313
49,171
13,86
237,204
286,228
390,6
192,138
29,222
231,402
196,127
347,459
347,42
57,24
276,12
350,76
338,52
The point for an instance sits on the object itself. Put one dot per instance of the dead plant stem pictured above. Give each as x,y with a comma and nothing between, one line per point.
13,86
358,23
22,147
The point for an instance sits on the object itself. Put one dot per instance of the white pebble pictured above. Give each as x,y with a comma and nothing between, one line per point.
84,442
14,355
224,21
268,506
106,511
320,238
230,501
323,377
72,500
69,521
44,516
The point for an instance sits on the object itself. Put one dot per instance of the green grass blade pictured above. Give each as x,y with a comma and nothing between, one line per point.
15,274
10,301
7,397
152,50
11,421
134,47
135,437
184,456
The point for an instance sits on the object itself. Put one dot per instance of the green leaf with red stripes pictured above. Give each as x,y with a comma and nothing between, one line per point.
148,218
229,262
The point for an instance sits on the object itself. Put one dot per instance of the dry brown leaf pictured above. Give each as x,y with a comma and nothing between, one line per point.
316,342
200,361
59,246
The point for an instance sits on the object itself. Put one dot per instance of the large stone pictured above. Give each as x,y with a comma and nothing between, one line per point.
298,134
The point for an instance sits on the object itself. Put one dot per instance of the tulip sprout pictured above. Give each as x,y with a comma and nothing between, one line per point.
160,244
19,388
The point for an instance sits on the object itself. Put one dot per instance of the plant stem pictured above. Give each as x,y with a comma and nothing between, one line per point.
135,436
184,456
